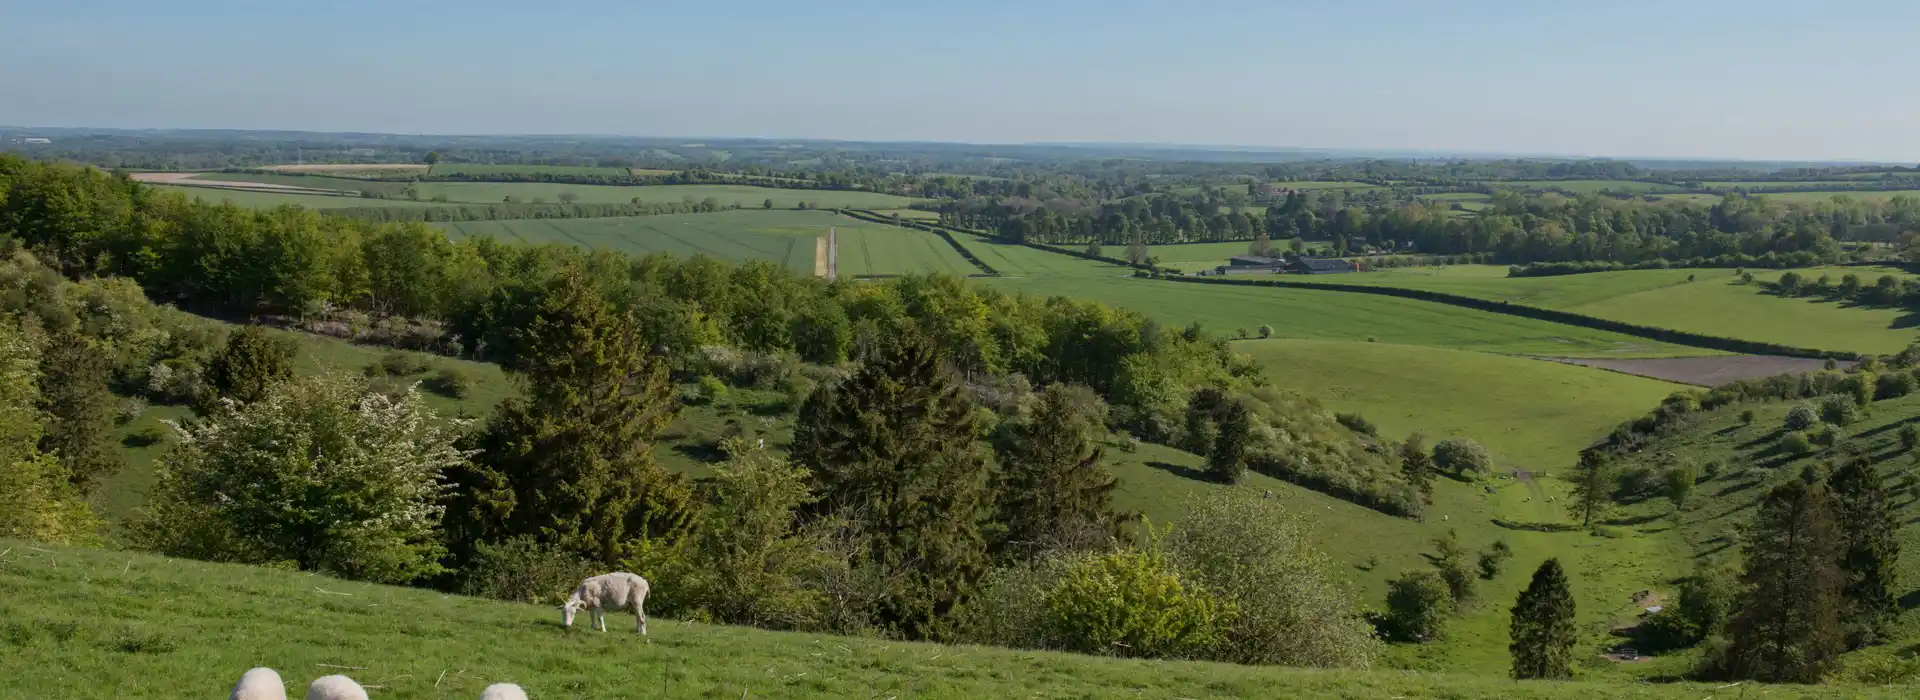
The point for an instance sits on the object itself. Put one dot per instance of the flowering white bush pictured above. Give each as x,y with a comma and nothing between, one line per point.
324,474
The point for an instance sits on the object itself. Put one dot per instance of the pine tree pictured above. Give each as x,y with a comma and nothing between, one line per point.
1591,488
253,361
571,462
1872,550
1788,628
1542,628
79,409
1050,478
1226,462
893,450
1417,465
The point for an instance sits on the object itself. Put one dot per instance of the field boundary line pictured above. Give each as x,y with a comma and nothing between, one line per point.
869,216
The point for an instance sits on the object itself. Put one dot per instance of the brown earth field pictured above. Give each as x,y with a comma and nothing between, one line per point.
1703,371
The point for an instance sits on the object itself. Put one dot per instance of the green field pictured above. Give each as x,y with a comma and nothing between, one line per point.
783,236
315,181
1586,186
269,200
479,169
1713,303
1325,315
1326,185
910,214
1816,197
1531,414
742,195
1724,185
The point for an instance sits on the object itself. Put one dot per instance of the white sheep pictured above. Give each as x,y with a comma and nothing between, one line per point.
615,591
259,684
503,691
335,688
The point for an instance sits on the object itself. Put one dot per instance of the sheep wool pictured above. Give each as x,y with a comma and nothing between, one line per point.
503,691
259,684
616,591
335,688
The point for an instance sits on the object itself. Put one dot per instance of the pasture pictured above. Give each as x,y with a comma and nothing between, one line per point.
741,195
482,170
1710,301
314,181
1586,186
267,200
86,624
353,170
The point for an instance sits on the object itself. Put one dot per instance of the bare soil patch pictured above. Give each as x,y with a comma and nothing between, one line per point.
1703,371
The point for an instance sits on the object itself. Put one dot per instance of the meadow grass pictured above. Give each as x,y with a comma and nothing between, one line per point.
268,200
1714,302
1530,414
742,195
102,624
480,169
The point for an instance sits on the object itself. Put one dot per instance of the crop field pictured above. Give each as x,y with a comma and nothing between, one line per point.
742,195
268,200
1714,302
1531,414
785,237
1014,260
314,181
1814,197
1586,186
482,169
353,170
1325,315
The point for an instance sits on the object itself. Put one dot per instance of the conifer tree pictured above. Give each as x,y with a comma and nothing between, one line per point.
1542,629
1872,549
1050,478
1591,483
571,462
1417,465
253,361
1788,625
1226,462
79,409
893,450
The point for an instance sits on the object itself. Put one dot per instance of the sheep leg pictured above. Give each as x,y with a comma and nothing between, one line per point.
600,619
640,616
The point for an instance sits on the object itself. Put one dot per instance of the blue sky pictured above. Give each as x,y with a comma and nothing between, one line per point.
1693,78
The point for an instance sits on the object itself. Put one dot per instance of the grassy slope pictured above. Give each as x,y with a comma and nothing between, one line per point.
1530,414
1714,303
743,195
104,624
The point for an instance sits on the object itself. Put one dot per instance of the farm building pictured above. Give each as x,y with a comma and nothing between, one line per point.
1318,266
1253,261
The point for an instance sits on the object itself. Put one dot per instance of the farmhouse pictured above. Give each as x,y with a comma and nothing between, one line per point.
1245,261
1318,266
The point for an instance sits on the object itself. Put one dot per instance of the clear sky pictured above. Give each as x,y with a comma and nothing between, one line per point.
1812,79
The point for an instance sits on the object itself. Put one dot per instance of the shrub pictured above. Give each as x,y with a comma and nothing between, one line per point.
1132,603
1838,410
1909,437
523,570
1823,436
1266,331
130,409
1417,606
449,382
1451,563
1357,423
1746,417
1802,417
1494,558
1893,385
712,390
1794,444
398,364
1462,456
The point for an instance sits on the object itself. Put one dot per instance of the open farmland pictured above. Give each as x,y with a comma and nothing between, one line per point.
1531,414
1586,186
306,181
476,169
353,170
267,200
1710,301
741,195
785,237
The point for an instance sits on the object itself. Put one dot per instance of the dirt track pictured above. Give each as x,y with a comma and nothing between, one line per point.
1703,371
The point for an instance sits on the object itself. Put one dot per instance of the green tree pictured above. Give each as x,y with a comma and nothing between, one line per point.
571,462
1462,456
432,158
1416,465
254,361
1450,561
893,450
751,560
1093,247
1909,437
1136,251
1706,600
1133,603
1050,482
568,197
79,409
37,497
1297,245
1262,245
323,473
767,204
1418,604
1542,629
1678,484
1592,487
1802,417
1226,462
1872,551
1838,410
1494,558
1266,331
1788,628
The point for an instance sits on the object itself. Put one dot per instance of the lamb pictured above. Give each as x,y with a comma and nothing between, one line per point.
503,691
615,591
335,688
259,684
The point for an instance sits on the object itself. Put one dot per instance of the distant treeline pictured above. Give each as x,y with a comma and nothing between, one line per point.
1769,261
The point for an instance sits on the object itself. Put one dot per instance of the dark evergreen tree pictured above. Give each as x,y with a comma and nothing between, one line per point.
1542,629
893,449
1788,628
1226,462
1592,486
1050,479
253,361
79,409
1417,465
1870,532
571,462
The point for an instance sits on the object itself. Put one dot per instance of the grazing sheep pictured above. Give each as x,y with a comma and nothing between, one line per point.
503,691
335,688
615,591
259,684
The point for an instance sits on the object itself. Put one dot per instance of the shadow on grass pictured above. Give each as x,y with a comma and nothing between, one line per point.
709,453
1180,471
